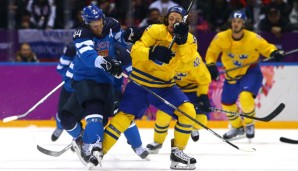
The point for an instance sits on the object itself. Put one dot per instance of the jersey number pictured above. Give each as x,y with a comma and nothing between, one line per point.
77,33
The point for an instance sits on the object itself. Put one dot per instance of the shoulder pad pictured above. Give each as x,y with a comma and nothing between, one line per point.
82,32
110,23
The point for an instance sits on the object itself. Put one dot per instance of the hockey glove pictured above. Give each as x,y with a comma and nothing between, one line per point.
132,34
213,71
161,54
109,64
181,31
278,55
204,103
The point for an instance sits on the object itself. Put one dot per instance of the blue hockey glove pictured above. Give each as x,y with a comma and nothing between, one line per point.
181,31
213,71
161,54
278,55
204,103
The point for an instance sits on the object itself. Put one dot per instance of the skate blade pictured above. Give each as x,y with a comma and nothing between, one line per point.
153,151
78,152
181,166
98,155
90,166
238,137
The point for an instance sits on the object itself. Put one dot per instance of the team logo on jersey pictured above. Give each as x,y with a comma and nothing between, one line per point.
231,55
237,63
243,56
103,52
180,75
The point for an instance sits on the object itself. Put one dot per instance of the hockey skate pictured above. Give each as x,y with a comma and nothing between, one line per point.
250,130
181,161
56,134
142,152
93,153
77,146
195,135
153,148
234,134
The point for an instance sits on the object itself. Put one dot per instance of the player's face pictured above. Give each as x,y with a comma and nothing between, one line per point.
173,18
96,27
237,25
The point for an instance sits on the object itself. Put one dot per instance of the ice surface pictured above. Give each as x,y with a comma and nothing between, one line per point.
18,152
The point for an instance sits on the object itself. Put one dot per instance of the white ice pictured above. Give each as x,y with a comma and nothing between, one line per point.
18,152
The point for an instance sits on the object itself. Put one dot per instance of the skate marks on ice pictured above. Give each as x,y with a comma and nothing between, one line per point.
18,152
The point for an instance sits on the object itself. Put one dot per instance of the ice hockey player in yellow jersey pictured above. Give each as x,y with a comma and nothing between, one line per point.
154,66
193,78
238,47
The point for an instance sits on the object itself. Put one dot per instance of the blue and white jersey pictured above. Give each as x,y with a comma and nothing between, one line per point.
89,47
65,64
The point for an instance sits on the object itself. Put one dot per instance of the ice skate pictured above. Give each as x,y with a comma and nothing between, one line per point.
234,134
250,130
181,161
153,148
96,154
142,152
56,134
77,146
195,135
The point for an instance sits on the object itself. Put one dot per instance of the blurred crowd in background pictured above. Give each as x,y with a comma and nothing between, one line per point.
206,15
273,16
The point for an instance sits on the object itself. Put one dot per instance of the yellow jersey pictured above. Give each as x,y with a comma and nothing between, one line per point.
236,53
151,74
193,76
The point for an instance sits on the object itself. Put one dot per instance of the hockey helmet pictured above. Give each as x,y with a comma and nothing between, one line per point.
177,9
92,13
238,14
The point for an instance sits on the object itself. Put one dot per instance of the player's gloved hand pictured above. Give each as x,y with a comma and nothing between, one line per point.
109,64
132,34
204,103
181,31
161,54
213,71
278,55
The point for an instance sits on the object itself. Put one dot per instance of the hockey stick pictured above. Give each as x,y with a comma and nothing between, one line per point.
267,118
251,63
16,117
184,20
53,153
185,114
287,140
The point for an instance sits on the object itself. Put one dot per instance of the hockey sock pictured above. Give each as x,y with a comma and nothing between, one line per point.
235,121
202,118
184,125
119,123
58,122
248,105
75,131
133,136
161,127
94,129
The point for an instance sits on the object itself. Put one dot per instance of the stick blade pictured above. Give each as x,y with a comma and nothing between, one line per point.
248,149
287,140
276,112
48,152
10,118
